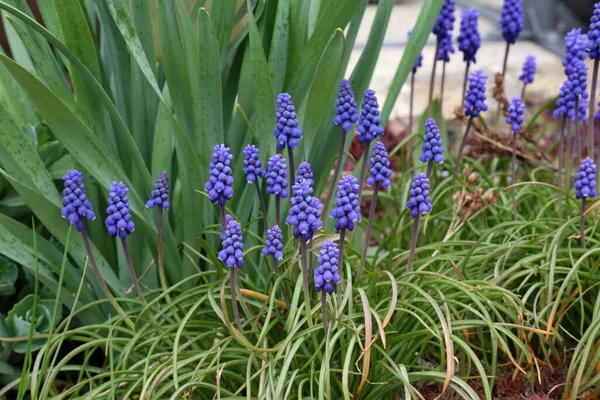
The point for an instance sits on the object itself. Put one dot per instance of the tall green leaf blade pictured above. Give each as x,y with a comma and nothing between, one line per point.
222,13
13,98
278,55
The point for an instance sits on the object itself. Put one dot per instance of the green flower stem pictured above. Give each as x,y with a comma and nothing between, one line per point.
429,168
561,162
369,228
134,278
292,174
336,175
263,208
282,288
234,305
305,282
462,148
223,218
590,138
523,92
442,89
582,222
413,245
363,168
464,89
341,260
278,210
504,65
161,263
324,311
512,174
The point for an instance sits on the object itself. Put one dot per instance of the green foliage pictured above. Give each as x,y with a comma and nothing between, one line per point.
19,321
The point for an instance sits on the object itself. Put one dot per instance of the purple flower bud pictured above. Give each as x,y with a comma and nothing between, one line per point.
252,166
347,210
444,23
369,123
593,43
160,194
529,68
432,148
326,274
445,49
274,243
119,220
220,181
511,20
419,202
305,174
345,107
380,171
286,130
305,212
469,39
419,61
277,176
516,109
75,202
585,180
232,254
475,98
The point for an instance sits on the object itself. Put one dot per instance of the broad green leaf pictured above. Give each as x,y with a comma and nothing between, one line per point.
298,36
222,14
16,45
278,54
13,98
162,148
8,277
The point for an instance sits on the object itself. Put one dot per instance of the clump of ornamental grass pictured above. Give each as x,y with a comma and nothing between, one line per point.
277,182
469,42
443,32
516,109
286,130
220,182
473,106
379,178
585,187
160,200
253,171
413,72
345,117
528,74
593,49
369,129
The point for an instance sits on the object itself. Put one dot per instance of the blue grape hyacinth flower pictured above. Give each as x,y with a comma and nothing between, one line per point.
305,212
326,274
380,171
305,174
516,109
274,243
277,176
511,20
575,49
419,202
585,180
475,98
347,210
232,253
369,123
76,206
345,107
433,149
469,39
119,221
444,23
220,181
252,165
529,68
286,130
593,35
445,49
160,194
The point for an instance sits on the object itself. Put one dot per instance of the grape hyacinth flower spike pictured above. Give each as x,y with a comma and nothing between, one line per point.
419,204
305,174
369,129
516,109
253,170
119,224
379,178
347,210
593,49
274,248
529,68
585,186
76,208
277,182
433,150
220,182
469,41
305,218
160,199
345,116
474,105
417,65
286,130
562,104
326,275
442,29
232,255
511,23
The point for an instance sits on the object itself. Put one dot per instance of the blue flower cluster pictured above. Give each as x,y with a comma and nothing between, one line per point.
469,40
252,165
380,171
511,20
277,176
419,61
516,109
444,23
345,107
529,68
575,50
419,202
326,274
432,148
593,44
274,243
286,130
585,180
305,212
369,124
574,88
160,194
475,98
347,210
119,220
305,174
232,254
220,181
75,202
